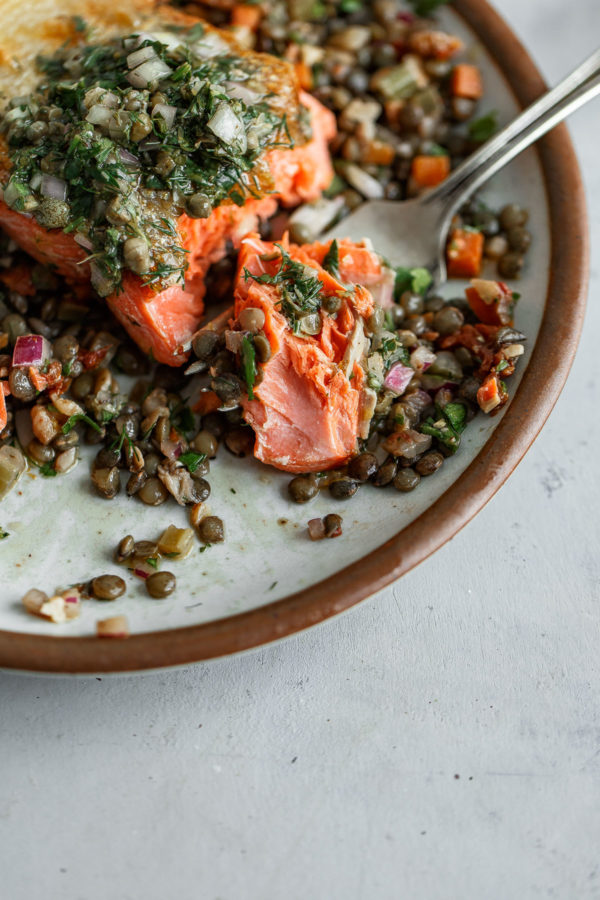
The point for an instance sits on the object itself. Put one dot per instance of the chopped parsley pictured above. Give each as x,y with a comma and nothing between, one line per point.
249,365
416,280
482,129
191,460
426,7
47,470
152,562
79,417
301,293
448,428
3,534
331,262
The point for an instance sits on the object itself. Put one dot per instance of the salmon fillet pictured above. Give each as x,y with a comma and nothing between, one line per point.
162,321
307,409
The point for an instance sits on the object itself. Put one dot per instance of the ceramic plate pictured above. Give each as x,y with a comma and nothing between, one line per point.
268,580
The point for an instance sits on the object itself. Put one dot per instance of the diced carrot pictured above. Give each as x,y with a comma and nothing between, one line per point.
499,312
3,340
464,254
3,414
435,44
428,171
377,153
246,14
466,82
37,378
488,395
304,75
207,402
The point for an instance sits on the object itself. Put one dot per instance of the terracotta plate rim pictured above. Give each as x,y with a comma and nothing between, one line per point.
538,392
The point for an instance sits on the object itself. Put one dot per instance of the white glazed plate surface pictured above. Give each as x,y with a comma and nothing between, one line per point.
62,533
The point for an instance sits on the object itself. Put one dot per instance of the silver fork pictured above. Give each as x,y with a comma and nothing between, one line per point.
413,232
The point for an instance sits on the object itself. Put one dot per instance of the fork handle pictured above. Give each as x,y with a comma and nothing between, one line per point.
551,108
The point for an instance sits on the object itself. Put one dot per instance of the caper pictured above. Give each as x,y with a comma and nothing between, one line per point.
160,584
107,482
153,492
252,319
198,206
303,488
136,254
53,213
406,480
108,587
332,303
211,530
141,128
376,320
343,488
363,466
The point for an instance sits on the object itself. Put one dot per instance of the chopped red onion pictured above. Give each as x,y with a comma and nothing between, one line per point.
422,358
398,378
316,529
128,159
228,127
53,187
31,350
407,443
168,113
83,241
99,115
140,56
151,143
238,91
364,183
233,340
150,72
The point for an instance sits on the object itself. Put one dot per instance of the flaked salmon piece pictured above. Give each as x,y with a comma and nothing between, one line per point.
162,321
306,411
360,261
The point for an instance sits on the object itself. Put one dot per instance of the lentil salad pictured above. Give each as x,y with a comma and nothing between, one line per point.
164,441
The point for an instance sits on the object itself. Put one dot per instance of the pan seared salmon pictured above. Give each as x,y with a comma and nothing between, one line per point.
262,143
310,403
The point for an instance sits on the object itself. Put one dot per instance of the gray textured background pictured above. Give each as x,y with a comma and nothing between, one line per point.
440,741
